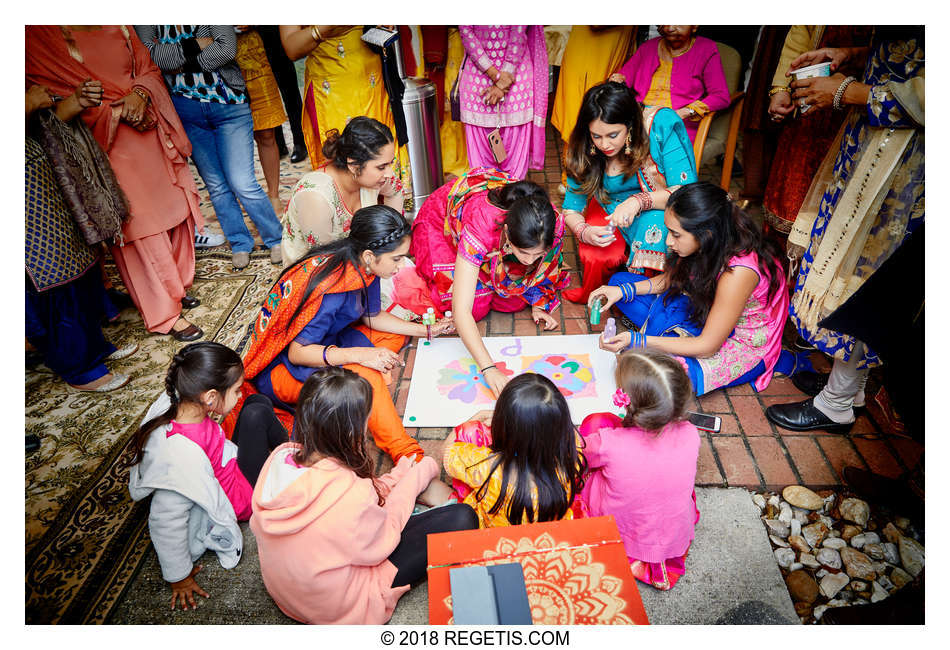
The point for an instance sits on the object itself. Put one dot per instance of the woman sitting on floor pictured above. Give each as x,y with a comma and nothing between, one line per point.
487,242
622,164
309,320
722,304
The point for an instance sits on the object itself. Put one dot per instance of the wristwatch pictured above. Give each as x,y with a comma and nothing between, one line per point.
692,112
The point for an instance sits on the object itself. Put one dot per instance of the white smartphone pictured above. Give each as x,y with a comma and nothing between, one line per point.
705,422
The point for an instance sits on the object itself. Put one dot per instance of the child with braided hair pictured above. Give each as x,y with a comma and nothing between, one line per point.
200,482
643,465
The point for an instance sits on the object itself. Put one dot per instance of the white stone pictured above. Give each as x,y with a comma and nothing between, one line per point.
809,560
785,513
912,555
802,497
776,527
800,515
885,582
759,501
829,557
834,533
829,502
784,557
814,533
858,541
833,583
878,593
821,573
826,520
859,585
855,510
796,527
834,542
818,611
778,541
795,566
774,500
891,554
838,602
874,551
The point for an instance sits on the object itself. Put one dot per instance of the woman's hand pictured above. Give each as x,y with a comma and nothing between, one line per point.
606,294
618,343
618,78
780,106
817,92
133,108
538,315
391,187
37,97
381,359
186,590
496,380
504,81
837,55
492,95
443,326
601,236
624,214
89,93
685,114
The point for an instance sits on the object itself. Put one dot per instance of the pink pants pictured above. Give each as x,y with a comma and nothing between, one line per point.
517,141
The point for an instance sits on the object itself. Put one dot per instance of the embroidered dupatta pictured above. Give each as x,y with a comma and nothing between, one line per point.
538,286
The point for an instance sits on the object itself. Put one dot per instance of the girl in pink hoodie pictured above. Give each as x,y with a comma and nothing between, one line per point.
336,543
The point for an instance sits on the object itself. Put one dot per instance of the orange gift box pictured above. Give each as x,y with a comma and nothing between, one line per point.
576,572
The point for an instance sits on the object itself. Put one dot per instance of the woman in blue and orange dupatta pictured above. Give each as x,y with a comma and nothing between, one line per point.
488,242
325,311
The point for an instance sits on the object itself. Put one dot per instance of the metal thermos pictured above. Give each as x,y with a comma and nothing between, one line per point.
420,105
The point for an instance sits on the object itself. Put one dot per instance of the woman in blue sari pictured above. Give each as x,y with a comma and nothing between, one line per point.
623,162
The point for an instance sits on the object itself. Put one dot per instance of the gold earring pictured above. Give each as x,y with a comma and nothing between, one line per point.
593,150
627,150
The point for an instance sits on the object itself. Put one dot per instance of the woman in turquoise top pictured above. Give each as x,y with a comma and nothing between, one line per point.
623,162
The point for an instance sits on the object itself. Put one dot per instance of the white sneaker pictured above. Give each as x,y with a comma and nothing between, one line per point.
208,240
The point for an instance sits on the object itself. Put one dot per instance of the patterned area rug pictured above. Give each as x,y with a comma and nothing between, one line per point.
85,538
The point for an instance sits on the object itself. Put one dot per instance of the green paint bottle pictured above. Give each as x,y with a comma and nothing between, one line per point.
595,313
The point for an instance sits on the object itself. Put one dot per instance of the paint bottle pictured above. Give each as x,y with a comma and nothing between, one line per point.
610,329
595,312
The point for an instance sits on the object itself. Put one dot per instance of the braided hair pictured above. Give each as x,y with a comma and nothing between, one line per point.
195,369
375,228
658,387
530,217
360,142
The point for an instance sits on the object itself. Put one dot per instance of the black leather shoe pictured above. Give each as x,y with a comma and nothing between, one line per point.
809,381
299,154
803,416
190,333
190,302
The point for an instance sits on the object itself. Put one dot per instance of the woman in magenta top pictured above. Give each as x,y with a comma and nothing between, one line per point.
503,84
643,467
679,70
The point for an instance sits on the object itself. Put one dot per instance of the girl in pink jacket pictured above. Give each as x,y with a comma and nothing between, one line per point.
336,543
643,467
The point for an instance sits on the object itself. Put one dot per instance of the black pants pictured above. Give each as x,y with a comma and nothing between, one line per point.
256,433
286,75
411,556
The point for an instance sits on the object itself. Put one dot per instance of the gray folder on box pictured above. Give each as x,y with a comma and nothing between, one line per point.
494,595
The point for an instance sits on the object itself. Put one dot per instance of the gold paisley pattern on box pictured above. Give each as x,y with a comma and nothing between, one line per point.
565,585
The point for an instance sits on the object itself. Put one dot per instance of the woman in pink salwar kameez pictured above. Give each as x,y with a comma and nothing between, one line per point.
503,84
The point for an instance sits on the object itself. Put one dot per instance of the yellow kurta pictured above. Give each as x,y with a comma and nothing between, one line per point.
267,109
589,59
343,78
452,133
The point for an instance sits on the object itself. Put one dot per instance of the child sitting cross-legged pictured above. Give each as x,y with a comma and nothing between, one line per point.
643,467
527,465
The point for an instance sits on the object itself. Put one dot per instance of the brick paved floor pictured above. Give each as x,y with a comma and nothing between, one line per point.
749,451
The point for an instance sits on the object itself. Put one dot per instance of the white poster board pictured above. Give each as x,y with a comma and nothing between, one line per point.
448,387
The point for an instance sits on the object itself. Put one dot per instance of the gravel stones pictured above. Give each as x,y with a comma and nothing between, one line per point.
777,528
858,541
855,510
857,564
833,583
802,497
878,593
795,527
802,587
784,557
900,577
778,541
809,560
759,501
814,533
891,533
912,555
829,557
834,542
874,551
848,531
891,554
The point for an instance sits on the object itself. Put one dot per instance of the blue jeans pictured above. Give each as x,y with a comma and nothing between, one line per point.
222,147
654,318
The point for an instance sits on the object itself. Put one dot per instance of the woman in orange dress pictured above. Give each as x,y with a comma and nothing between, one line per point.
137,126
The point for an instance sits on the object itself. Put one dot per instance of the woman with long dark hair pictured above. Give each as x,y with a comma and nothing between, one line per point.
521,463
358,170
325,311
487,242
622,164
722,302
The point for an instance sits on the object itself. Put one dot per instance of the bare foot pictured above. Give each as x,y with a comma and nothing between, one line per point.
435,494
93,385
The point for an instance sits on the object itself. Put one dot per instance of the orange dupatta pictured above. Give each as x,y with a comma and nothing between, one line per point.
274,330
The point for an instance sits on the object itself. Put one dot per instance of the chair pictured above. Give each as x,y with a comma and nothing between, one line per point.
719,130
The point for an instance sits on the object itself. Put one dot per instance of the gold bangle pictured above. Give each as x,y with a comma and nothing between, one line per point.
315,33
779,89
141,93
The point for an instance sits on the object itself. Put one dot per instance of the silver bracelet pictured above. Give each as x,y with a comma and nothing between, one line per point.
839,94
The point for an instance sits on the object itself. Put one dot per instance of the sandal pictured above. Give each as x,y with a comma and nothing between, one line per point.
123,352
118,381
